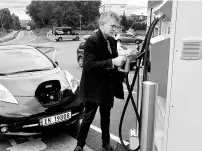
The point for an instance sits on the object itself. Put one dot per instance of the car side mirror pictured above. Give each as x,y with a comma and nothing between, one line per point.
56,62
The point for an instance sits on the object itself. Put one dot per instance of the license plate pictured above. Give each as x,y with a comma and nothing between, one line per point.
55,119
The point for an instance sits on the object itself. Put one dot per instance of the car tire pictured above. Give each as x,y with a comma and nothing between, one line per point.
137,41
77,38
60,39
80,61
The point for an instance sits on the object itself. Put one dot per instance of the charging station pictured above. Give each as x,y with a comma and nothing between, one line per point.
176,59
172,59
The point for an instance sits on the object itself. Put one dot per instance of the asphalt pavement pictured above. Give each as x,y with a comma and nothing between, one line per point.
63,139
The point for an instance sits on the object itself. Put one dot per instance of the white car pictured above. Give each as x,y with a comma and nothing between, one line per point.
85,37
123,50
128,38
64,33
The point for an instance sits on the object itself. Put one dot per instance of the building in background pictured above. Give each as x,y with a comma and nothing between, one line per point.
136,15
141,17
163,27
135,10
120,9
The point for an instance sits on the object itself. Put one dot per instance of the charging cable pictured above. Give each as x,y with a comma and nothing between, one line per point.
143,56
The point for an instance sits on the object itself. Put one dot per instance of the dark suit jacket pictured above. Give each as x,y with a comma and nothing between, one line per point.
100,81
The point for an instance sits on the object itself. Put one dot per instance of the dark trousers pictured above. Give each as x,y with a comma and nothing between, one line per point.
90,111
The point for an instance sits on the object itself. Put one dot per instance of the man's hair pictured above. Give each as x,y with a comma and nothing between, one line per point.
106,16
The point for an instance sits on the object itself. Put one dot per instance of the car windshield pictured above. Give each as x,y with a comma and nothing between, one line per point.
19,59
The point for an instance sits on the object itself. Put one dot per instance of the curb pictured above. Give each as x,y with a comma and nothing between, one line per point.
10,38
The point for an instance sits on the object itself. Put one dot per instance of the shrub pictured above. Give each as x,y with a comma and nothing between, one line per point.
23,28
139,26
91,26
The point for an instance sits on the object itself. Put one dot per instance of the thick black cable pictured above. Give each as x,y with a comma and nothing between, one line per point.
142,55
146,54
124,109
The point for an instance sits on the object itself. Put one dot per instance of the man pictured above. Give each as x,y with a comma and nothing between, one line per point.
100,80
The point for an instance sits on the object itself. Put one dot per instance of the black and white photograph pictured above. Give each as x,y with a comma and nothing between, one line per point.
100,75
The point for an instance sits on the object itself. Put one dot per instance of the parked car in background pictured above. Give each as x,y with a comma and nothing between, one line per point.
95,30
123,50
80,53
128,38
35,93
64,33
85,37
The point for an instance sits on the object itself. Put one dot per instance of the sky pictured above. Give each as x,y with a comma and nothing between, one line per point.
18,7
140,3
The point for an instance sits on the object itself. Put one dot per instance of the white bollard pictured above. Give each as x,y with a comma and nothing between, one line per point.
150,90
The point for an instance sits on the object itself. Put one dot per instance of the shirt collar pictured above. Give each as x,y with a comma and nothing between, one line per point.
102,35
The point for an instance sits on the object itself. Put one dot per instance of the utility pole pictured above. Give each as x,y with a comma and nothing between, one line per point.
80,21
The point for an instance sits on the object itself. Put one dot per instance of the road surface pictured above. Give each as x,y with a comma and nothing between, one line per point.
65,139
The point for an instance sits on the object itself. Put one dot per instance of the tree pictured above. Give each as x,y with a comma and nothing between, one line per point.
139,26
16,22
41,12
66,14
32,10
124,22
89,10
32,25
46,12
63,13
130,22
6,20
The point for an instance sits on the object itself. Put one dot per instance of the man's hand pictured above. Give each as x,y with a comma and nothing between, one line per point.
119,61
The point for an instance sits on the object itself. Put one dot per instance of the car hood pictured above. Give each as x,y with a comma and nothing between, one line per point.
25,84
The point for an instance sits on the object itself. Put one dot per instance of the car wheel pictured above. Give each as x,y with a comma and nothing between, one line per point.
80,61
137,41
60,39
77,38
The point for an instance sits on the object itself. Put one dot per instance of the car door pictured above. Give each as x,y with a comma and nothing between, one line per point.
124,37
129,38
67,34
72,34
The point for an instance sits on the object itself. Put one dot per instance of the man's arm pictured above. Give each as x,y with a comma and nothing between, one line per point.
91,61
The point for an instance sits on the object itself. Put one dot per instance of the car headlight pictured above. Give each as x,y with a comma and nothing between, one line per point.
71,80
6,96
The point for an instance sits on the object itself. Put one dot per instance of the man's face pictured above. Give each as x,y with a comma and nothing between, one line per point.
110,27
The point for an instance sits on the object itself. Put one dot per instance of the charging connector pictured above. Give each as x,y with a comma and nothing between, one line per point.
129,64
133,139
